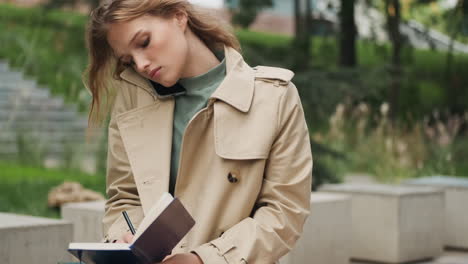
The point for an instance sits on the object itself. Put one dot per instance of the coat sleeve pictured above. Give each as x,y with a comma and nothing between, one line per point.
284,200
121,189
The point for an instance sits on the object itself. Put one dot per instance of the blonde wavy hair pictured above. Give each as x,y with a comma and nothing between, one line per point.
103,66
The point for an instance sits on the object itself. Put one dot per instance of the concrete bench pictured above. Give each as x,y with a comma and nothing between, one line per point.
394,224
456,208
86,218
327,232
33,240
12,82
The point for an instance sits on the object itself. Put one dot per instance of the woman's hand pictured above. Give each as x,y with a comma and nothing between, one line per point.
184,258
126,238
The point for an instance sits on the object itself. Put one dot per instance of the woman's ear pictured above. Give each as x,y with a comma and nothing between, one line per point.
181,20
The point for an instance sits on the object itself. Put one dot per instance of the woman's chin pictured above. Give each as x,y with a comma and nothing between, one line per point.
167,83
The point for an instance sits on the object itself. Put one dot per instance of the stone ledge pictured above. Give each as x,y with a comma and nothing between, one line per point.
28,239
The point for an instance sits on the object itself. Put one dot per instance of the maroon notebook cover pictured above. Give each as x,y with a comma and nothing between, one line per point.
158,240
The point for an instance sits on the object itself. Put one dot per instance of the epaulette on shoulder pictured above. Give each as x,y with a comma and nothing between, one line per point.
273,74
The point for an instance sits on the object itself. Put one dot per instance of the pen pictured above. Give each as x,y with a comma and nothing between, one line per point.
129,223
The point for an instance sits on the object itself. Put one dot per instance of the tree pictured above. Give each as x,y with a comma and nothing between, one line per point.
392,10
347,39
459,15
302,38
247,10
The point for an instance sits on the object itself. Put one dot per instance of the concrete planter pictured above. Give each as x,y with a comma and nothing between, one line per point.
87,220
456,208
394,224
327,232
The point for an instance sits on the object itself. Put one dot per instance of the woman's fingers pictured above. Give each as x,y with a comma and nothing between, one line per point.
128,237
167,257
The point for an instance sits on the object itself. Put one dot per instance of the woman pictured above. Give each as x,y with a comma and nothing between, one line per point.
191,117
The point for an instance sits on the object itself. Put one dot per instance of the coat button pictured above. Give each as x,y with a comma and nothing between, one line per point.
232,179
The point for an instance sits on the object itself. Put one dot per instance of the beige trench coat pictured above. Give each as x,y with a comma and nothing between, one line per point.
245,165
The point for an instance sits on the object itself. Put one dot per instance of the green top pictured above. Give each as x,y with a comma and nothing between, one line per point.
199,89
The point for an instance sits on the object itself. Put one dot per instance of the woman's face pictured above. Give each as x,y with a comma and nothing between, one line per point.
155,47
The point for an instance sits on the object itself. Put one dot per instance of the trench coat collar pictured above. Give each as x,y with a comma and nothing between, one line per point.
236,89
131,76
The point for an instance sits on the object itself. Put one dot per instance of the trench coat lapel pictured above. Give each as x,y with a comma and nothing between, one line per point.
147,135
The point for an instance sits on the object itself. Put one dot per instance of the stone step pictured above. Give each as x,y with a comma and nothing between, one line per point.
12,83
24,93
8,156
49,148
54,147
35,104
67,125
95,134
49,145
45,122
24,115
20,85
10,136
4,66
27,96
11,75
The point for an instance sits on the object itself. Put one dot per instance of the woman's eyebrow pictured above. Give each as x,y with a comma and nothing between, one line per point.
134,37
130,43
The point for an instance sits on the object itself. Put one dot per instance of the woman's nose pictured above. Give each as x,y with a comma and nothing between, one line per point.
142,64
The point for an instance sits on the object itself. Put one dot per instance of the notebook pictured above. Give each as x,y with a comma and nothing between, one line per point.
165,224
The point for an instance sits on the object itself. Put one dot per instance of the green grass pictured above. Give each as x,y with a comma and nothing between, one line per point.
261,38
24,189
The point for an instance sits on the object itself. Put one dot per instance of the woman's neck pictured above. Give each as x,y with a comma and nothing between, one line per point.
200,59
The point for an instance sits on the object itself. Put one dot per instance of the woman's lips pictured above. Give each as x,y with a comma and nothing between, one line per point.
155,73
